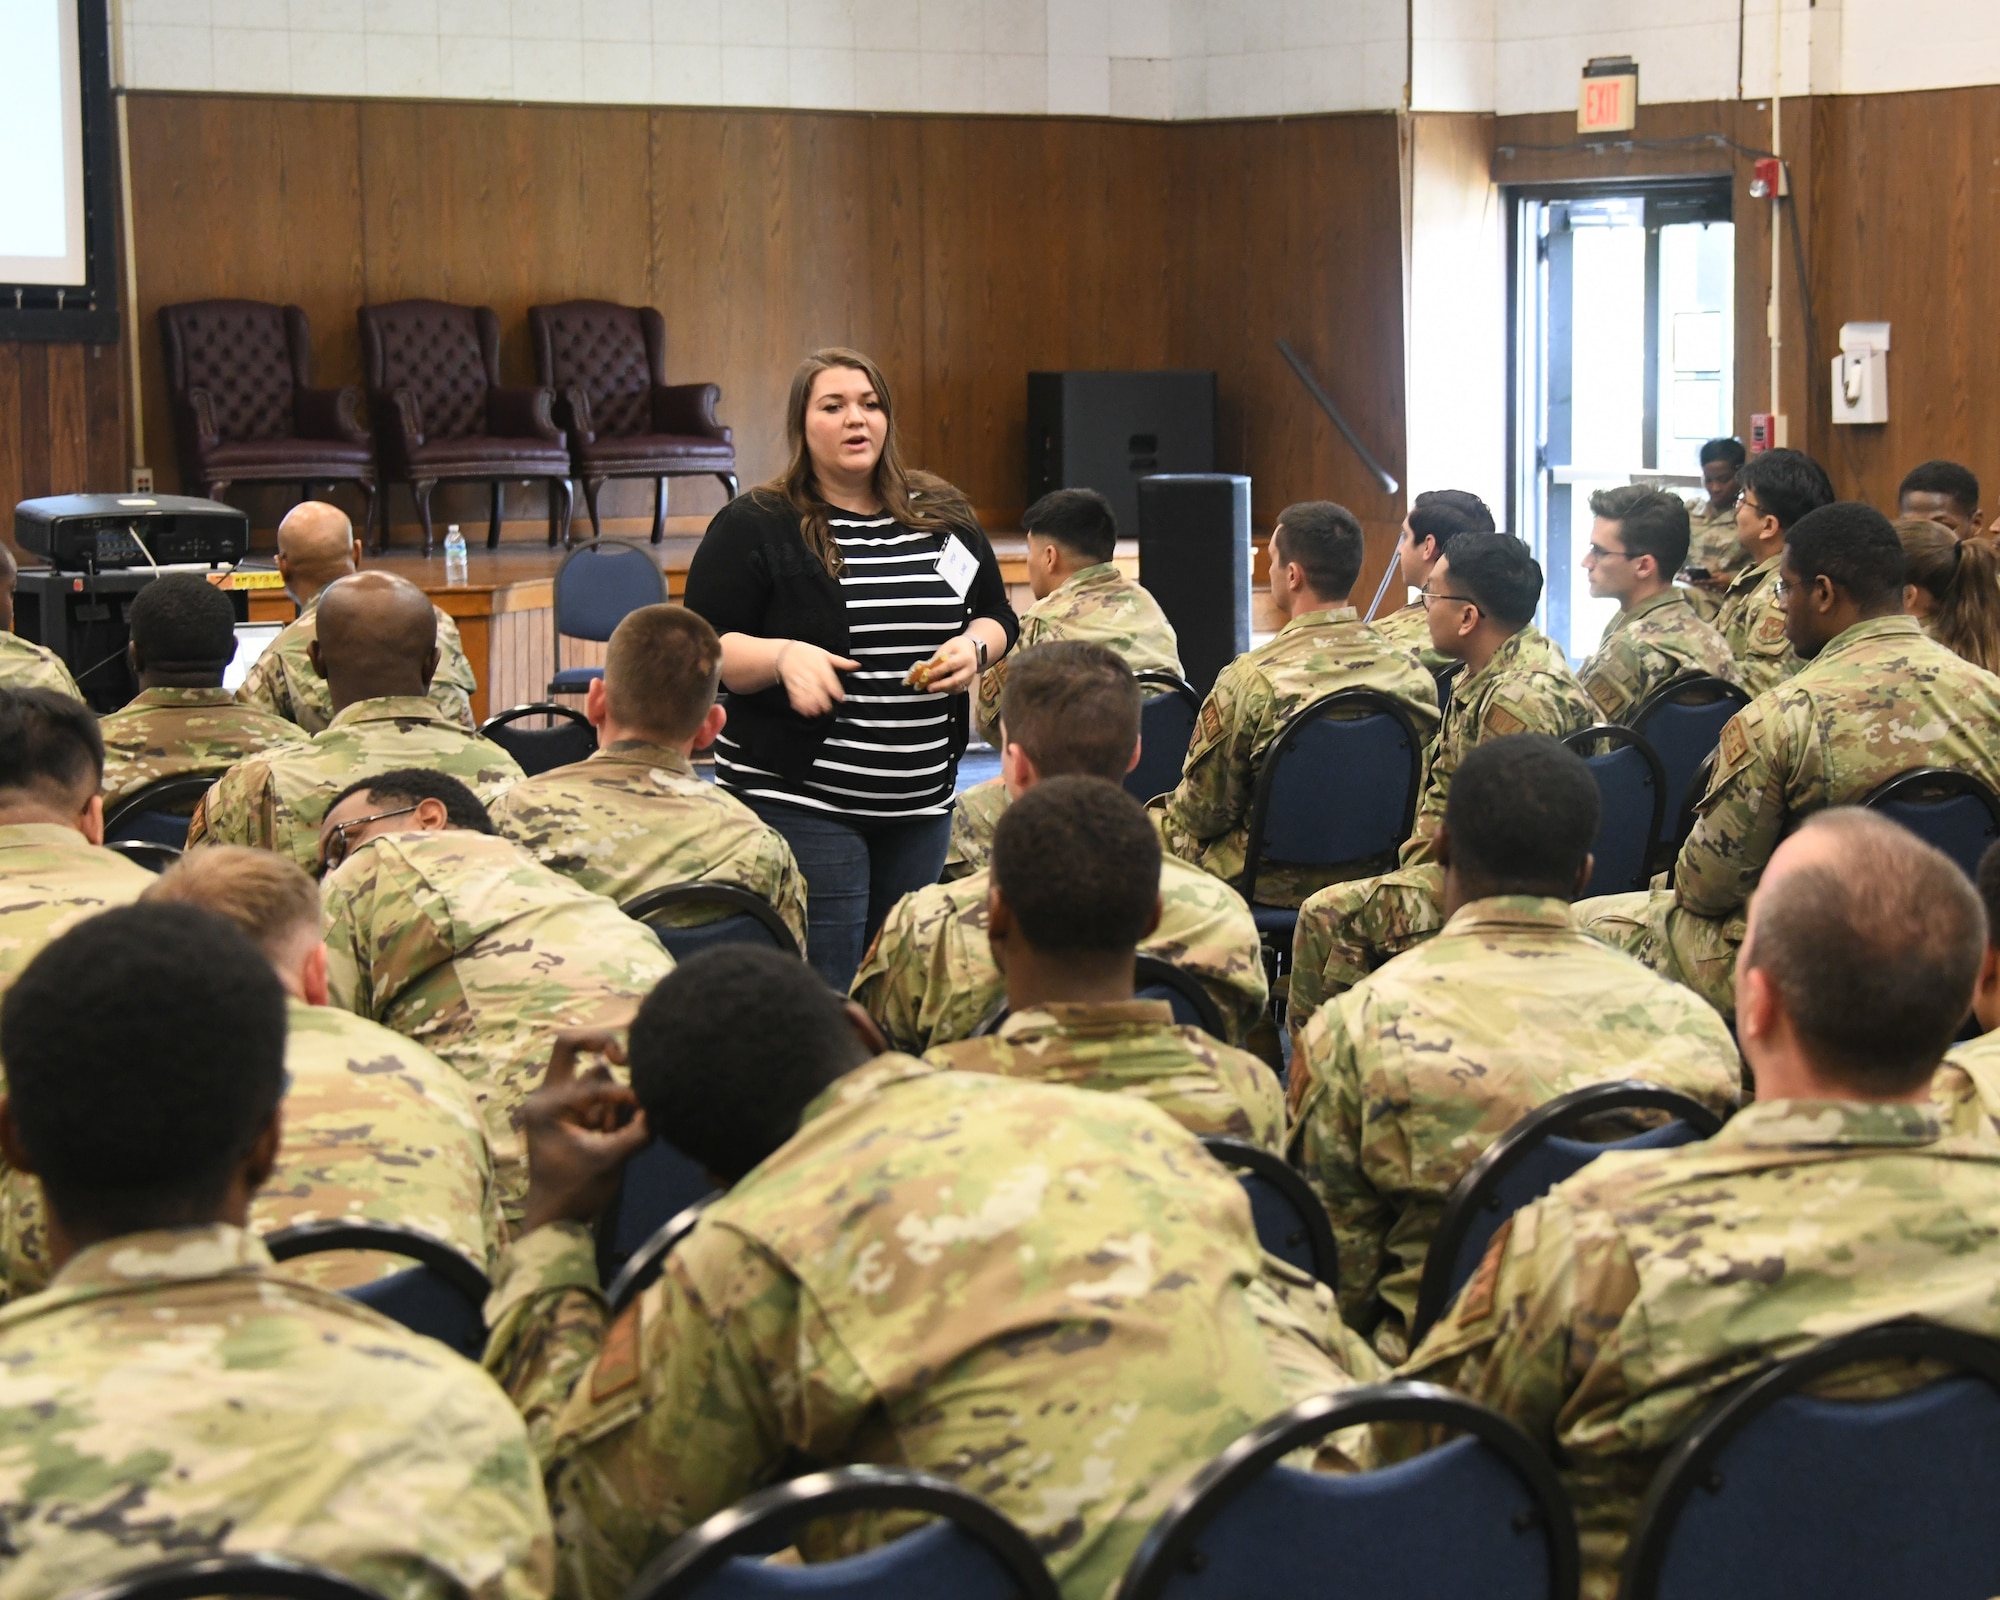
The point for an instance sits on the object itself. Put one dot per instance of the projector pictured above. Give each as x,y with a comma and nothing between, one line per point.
98,532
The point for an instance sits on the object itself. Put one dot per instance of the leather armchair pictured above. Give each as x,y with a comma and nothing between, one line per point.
239,382
442,414
607,364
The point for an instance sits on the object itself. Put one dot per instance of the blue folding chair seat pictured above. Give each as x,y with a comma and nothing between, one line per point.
746,919
568,738
1290,1220
158,813
264,1575
595,588
1683,721
443,1297
1632,801
1166,729
659,1184
1951,810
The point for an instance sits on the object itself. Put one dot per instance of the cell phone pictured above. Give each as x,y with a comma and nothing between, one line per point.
1697,574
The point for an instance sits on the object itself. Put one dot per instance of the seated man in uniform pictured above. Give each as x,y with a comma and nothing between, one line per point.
1609,1316
1402,1083
1943,492
1079,594
24,665
1715,555
1050,1295
1323,647
1966,1088
1070,708
1437,516
1876,697
459,939
170,1395
376,646
1075,885
1640,538
1779,487
316,547
1482,599
634,816
182,723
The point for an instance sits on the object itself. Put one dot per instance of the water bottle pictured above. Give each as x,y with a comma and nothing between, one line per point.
454,556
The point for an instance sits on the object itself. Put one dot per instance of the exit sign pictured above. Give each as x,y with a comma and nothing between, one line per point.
1608,101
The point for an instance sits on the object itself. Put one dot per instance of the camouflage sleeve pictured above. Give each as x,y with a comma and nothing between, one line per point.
1611,677
779,868
1213,795
889,985
264,687
1325,1144
1740,819
239,808
1313,1352
347,971
993,681
454,685
668,1414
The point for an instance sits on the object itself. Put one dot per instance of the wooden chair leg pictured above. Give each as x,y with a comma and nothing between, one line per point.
368,517
493,520
561,508
421,490
660,508
592,489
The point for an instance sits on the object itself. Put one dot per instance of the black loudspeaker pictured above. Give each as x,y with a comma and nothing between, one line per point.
1107,430
1194,558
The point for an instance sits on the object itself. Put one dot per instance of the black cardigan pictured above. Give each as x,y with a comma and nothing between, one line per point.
754,574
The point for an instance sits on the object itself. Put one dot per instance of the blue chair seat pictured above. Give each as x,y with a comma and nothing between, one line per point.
574,680
1276,924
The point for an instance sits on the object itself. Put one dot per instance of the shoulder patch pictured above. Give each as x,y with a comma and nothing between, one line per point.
1500,722
1771,630
1475,1301
617,1367
1211,722
1735,743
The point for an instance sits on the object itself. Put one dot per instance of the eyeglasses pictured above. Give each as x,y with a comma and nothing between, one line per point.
333,849
1597,552
1427,597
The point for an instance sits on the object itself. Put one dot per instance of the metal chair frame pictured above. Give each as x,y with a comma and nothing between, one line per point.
147,853
273,1577
1241,1157
645,1264
1169,1546
1691,1463
1150,972
753,1525
157,796
316,1238
1678,691
556,589
1473,1193
1940,782
534,708
738,902
1623,738
1152,686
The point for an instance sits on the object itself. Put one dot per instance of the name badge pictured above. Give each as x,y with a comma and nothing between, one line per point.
958,566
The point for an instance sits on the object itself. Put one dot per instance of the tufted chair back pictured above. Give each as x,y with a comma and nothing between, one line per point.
446,355
615,354
244,356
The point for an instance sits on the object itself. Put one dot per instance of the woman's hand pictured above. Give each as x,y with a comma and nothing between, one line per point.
951,670
811,676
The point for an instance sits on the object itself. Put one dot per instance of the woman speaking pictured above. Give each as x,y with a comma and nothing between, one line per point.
857,601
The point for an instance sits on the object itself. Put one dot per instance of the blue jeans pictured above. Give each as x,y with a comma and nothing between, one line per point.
855,869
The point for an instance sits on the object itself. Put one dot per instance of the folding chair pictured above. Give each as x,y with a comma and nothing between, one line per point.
1291,1223
1683,721
1632,803
746,918
158,813
658,1185
271,1577
1194,1006
146,853
1952,810
568,738
595,588
645,1264
443,1297
1166,729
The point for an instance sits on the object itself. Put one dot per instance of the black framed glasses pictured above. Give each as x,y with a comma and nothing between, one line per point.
1427,597
334,847
1597,552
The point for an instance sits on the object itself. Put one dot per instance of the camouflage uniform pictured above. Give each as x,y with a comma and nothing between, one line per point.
1965,1089
634,817
465,943
51,878
1133,1047
1205,821
1401,1083
179,733
24,665
1879,700
1099,605
171,1397
283,682
375,1129
1753,622
1048,1298
1714,547
1612,1314
1409,629
974,816
929,977
1655,642
276,801
1348,929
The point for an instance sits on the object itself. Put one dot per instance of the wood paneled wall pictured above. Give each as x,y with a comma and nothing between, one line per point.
959,252
62,422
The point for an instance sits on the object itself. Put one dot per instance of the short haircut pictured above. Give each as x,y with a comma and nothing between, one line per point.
1650,521
1787,484
1872,954
412,786
1855,546
1988,884
269,897
145,1053
1499,574
1326,541
1522,812
1956,483
661,671
730,1047
1078,864
183,623
1443,514
1077,519
1073,707
1728,448
49,744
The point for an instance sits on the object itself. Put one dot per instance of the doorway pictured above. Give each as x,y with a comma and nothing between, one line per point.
1623,363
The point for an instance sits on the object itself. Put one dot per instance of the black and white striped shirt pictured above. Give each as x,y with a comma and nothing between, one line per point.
889,754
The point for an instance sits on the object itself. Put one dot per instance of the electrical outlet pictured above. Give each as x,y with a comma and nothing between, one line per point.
142,480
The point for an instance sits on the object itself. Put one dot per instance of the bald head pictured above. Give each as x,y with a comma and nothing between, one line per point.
315,547
1868,940
377,636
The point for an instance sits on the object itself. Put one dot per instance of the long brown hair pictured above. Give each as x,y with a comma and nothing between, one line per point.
915,499
1962,577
